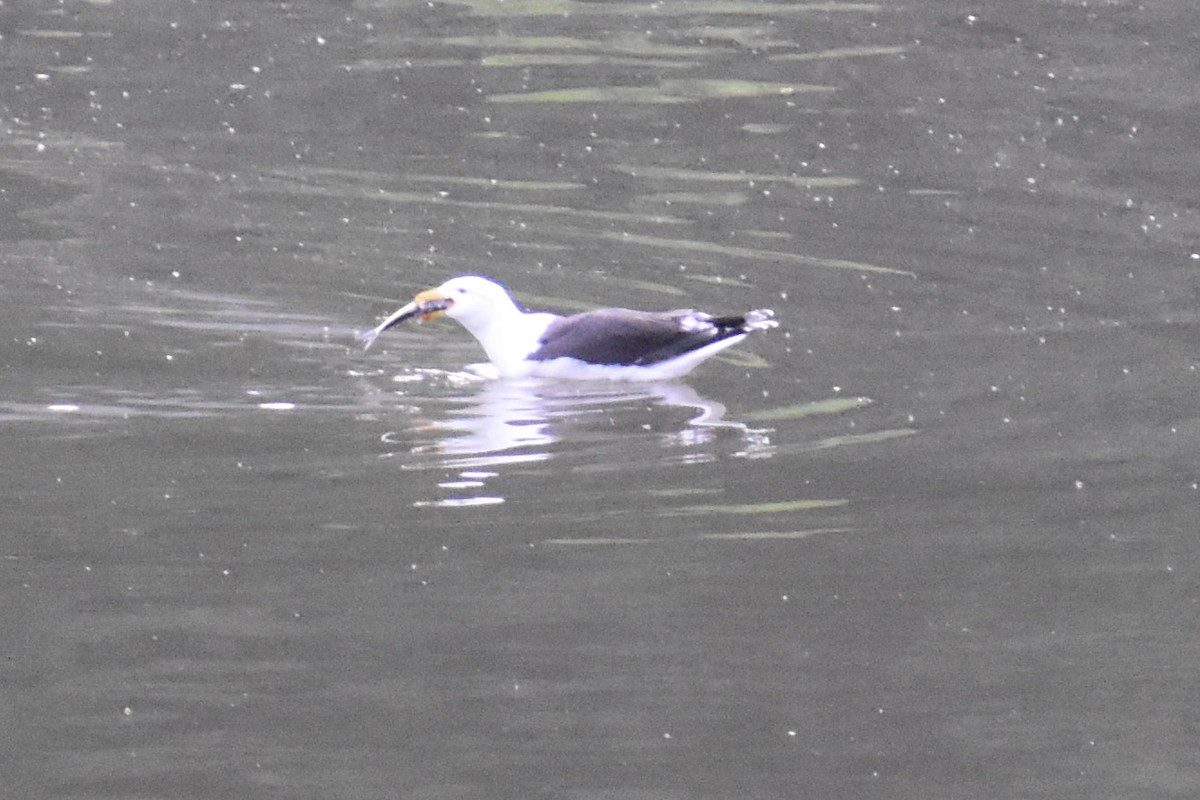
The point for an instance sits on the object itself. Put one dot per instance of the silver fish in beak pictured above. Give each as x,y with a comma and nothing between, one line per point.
426,305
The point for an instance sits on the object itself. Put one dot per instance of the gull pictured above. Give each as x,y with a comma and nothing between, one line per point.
606,344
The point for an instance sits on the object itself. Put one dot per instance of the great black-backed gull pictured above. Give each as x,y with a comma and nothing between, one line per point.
610,343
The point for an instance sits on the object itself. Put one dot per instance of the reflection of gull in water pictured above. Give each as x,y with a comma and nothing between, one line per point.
480,426
521,414
493,422
502,417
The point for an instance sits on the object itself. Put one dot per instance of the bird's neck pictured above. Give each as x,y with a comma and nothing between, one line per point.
498,332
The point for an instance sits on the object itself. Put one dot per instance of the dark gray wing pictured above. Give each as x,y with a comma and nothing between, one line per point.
623,337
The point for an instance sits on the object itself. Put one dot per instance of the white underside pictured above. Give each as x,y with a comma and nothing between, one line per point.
574,369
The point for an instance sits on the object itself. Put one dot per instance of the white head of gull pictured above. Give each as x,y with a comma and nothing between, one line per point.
610,343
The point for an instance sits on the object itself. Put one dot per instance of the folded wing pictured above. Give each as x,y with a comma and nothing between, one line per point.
638,338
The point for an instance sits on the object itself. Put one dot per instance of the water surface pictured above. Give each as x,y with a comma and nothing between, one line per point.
934,537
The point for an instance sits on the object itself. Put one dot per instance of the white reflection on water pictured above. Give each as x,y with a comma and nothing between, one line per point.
508,415
505,423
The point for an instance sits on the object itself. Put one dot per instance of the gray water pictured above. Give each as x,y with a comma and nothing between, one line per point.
935,537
